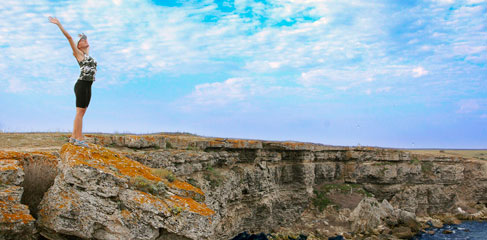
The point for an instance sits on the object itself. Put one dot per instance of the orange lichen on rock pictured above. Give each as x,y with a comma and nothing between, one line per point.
294,144
233,143
12,155
103,158
68,198
9,164
144,198
46,154
192,205
14,213
150,138
184,185
125,213
65,199
45,159
135,138
132,137
216,143
237,143
182,141
30,157
11,193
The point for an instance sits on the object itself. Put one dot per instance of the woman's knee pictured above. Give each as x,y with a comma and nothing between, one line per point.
80,111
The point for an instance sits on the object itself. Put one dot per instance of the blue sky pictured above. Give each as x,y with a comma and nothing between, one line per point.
375,73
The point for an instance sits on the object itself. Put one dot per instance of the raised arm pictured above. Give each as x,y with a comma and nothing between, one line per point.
76,52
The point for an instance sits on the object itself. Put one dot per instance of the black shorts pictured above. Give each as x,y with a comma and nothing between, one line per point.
82,90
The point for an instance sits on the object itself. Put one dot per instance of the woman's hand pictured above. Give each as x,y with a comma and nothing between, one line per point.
54,20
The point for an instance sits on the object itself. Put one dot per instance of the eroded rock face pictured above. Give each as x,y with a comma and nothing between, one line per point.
269,185
15,219
102,195
369,215
234,185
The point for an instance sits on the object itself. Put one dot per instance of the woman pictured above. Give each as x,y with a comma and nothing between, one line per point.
82,88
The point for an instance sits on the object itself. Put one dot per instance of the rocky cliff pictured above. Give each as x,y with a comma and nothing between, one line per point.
188,187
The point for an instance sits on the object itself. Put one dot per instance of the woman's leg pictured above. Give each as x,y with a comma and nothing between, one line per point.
87,99
78,123
83,95
73,135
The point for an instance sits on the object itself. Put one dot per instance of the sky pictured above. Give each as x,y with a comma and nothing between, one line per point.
399,74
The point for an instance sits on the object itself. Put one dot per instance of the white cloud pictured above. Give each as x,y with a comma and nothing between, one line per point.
377,90
444,2
346,78
16,86
335,77
475,1
419,71
413,41
222,92
263,66
468,106
174,40
237,90
383,89
460,49
117,2
425,48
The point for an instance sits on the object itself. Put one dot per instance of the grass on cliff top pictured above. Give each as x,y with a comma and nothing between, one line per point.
338,195
31,141
480,154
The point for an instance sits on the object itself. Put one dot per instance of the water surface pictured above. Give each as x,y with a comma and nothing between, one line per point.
472,230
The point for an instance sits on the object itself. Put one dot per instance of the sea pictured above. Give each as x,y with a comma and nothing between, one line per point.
472,230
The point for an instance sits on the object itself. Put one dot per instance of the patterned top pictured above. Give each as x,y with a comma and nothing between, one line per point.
88,68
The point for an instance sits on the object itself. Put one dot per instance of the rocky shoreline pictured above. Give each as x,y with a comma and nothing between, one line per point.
189,187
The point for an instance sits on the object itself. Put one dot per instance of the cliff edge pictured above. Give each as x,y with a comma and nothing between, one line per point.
190,187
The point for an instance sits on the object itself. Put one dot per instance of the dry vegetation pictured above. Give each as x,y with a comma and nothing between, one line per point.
32,141
475,154
52,141
163,173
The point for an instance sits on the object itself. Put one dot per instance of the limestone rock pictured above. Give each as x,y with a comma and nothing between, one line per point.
15,219
366,216
100,194
402,232
252,185
370,217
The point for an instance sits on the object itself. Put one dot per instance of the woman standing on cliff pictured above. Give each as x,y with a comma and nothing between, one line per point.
82,88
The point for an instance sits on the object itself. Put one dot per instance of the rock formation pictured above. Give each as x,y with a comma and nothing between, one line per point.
15,219
102,195
187,187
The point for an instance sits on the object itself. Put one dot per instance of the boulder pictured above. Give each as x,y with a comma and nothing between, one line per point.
366,216
402,232
370,216
100,194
